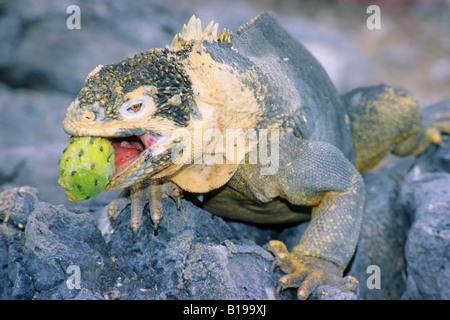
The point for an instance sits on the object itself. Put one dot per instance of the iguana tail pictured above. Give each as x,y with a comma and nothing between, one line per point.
386,119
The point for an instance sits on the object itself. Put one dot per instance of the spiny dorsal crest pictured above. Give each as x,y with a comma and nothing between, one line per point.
193,32
246,25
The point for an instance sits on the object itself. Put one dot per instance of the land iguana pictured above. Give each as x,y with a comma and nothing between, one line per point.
259,80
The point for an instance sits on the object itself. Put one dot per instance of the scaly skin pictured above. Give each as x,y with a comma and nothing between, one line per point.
259,79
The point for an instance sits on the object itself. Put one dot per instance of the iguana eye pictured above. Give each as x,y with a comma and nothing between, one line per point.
135,107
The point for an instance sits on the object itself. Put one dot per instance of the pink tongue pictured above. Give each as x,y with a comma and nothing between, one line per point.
125,154
127,151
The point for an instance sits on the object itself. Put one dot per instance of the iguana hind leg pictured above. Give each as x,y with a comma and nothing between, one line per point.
386,119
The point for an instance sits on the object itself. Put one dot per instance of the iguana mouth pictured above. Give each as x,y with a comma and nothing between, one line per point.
129,149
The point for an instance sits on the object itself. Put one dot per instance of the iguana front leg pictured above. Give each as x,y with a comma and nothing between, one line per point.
138,195
319,175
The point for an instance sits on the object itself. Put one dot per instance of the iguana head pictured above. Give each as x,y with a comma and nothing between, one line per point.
138,103
135,103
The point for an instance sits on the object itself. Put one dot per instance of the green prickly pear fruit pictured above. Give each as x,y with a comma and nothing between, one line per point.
86,167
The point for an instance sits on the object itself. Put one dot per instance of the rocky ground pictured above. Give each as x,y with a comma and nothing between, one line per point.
406,228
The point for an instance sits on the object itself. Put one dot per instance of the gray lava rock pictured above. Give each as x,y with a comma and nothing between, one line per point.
331,293
190,258
382,239
427,251
38,243
193,256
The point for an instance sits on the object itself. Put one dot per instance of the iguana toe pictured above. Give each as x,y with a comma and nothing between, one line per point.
120,202
138,195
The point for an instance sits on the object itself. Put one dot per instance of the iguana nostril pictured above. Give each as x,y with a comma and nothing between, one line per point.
88,116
